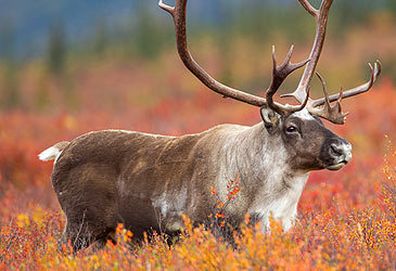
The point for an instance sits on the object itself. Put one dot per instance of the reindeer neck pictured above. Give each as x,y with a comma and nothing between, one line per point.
258,160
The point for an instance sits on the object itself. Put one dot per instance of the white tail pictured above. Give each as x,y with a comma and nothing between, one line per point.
52,153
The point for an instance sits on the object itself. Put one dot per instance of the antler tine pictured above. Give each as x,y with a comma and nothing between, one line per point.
179,18
166,7
279,74
324,88
331,113
308,7
321,17
375,72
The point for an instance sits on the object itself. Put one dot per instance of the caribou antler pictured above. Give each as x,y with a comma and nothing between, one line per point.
320,107
374,74
321,17
327,111
279,75
178,13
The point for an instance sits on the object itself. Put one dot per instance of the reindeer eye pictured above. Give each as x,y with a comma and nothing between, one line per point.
291,129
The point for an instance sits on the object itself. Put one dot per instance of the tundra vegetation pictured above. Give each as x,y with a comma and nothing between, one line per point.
346,219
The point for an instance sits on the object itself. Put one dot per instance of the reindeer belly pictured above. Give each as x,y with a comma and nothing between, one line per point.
151,197
151,210
138,215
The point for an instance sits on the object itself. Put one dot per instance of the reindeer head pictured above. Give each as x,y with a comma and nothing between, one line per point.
310,145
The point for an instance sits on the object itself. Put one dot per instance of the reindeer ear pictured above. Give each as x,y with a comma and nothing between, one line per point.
270,118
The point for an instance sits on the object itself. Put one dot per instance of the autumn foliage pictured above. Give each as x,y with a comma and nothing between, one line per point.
346,221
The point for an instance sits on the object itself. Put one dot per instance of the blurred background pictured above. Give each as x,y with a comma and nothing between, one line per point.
110,55
72,66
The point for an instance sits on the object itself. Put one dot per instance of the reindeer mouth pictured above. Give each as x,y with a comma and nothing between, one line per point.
337,166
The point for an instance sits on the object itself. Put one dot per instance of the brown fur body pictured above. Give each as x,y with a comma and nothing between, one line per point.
148,181
108,177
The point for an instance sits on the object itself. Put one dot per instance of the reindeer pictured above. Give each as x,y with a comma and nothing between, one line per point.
147,181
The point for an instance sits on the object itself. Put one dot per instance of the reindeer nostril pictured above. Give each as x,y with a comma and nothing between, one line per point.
336,150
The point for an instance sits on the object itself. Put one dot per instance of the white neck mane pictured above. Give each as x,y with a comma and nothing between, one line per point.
261,163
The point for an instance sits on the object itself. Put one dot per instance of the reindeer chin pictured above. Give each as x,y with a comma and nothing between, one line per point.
337,166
